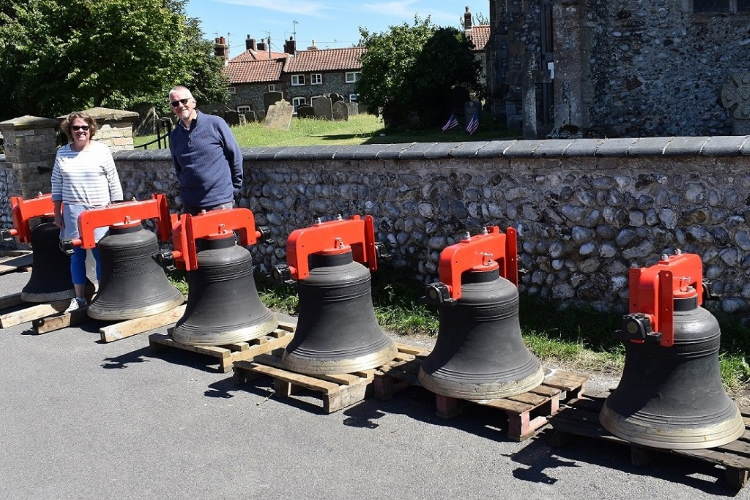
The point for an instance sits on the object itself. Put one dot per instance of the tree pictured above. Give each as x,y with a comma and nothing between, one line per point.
60,55
414,69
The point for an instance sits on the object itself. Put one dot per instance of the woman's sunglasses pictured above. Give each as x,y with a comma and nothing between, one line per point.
177,103
79,127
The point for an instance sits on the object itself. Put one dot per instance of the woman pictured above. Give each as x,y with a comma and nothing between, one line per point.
84,177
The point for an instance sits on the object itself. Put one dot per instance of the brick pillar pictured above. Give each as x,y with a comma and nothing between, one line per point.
30,145
115,127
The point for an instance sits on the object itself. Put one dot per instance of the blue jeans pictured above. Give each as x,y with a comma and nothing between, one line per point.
78,265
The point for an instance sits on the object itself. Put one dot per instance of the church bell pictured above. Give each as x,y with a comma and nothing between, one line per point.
223,304
479,353
670,394
337,331
50,272
133,285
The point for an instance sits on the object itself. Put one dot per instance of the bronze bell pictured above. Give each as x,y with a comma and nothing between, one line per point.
223,304
133,285
479,353
337,331
50,272
670,394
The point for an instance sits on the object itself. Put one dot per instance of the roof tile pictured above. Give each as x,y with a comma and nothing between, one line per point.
325,60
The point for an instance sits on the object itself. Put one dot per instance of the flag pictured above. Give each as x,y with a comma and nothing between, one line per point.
451,123
473,124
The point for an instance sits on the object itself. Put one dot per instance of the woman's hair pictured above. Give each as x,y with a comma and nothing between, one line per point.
67,122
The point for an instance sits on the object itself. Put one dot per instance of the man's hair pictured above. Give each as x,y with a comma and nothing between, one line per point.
182,89
68,121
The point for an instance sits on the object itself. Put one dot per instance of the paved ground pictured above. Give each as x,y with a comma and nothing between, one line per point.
82,419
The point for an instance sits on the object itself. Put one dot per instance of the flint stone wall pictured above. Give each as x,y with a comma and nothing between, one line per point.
586,210
7,186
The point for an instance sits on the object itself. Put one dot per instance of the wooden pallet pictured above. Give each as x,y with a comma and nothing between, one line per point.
29,313
581,418
526,413
15,261
229,353
337,391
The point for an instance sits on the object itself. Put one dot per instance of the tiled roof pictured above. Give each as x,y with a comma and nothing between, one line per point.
479,35
324,60
257,55
254,71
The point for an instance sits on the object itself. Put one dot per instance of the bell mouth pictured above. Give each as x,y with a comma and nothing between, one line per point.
322,366
106,313
483,390
191,335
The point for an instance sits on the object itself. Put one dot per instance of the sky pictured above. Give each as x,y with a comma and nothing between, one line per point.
331,23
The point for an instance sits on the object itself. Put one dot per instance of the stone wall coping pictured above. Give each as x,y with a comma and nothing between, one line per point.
27,122
108,115
549,148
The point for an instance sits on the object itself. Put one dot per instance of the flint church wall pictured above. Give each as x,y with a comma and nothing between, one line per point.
586,210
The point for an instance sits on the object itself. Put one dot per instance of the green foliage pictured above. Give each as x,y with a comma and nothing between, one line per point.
414,68
60,55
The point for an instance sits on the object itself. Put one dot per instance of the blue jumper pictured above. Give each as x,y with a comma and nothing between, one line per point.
208,161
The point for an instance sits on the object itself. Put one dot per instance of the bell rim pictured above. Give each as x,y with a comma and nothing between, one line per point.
47,296
313,366
96,312
480,392
239,335
666,437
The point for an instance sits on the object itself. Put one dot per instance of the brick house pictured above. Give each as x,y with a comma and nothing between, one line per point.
479,35
621,68
299,75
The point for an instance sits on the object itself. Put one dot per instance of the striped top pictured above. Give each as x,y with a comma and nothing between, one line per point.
86,177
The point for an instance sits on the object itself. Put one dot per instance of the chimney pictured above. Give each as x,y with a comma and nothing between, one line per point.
249,43
261,46
221,49
312,47
467,19
290,46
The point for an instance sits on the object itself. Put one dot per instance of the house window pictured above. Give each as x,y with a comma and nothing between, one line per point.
353,97
297,102
353,76
316,79
720,6
272,87
244,109
232,90
298,80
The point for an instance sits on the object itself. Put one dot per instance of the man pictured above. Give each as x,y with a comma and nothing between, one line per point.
206,156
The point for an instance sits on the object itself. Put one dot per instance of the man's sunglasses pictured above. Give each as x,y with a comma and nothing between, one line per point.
177,103
79,127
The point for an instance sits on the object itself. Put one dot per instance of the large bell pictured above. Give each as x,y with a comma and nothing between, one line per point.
223,304
337,331
50,272
133,285
479,353
672,397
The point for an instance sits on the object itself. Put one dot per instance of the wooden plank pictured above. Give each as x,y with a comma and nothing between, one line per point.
528,398
10,300
562,383
275,340
131,327
737,447
217,352
411,349
16,264
543,390
52,323
287,325
31,313
295,378
506,404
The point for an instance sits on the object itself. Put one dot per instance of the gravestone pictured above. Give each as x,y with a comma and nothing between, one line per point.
231,117
471,107
323,108
353,108
279,115
340,111
335,97
735,96
271,98
305,111
250,116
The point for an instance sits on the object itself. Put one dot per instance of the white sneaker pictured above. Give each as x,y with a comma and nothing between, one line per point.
75,304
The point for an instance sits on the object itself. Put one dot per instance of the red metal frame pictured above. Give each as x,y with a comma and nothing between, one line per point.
124,215
652,290
483,252
216,224
339,236
22,211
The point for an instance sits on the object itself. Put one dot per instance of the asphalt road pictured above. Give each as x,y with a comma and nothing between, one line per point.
81,419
